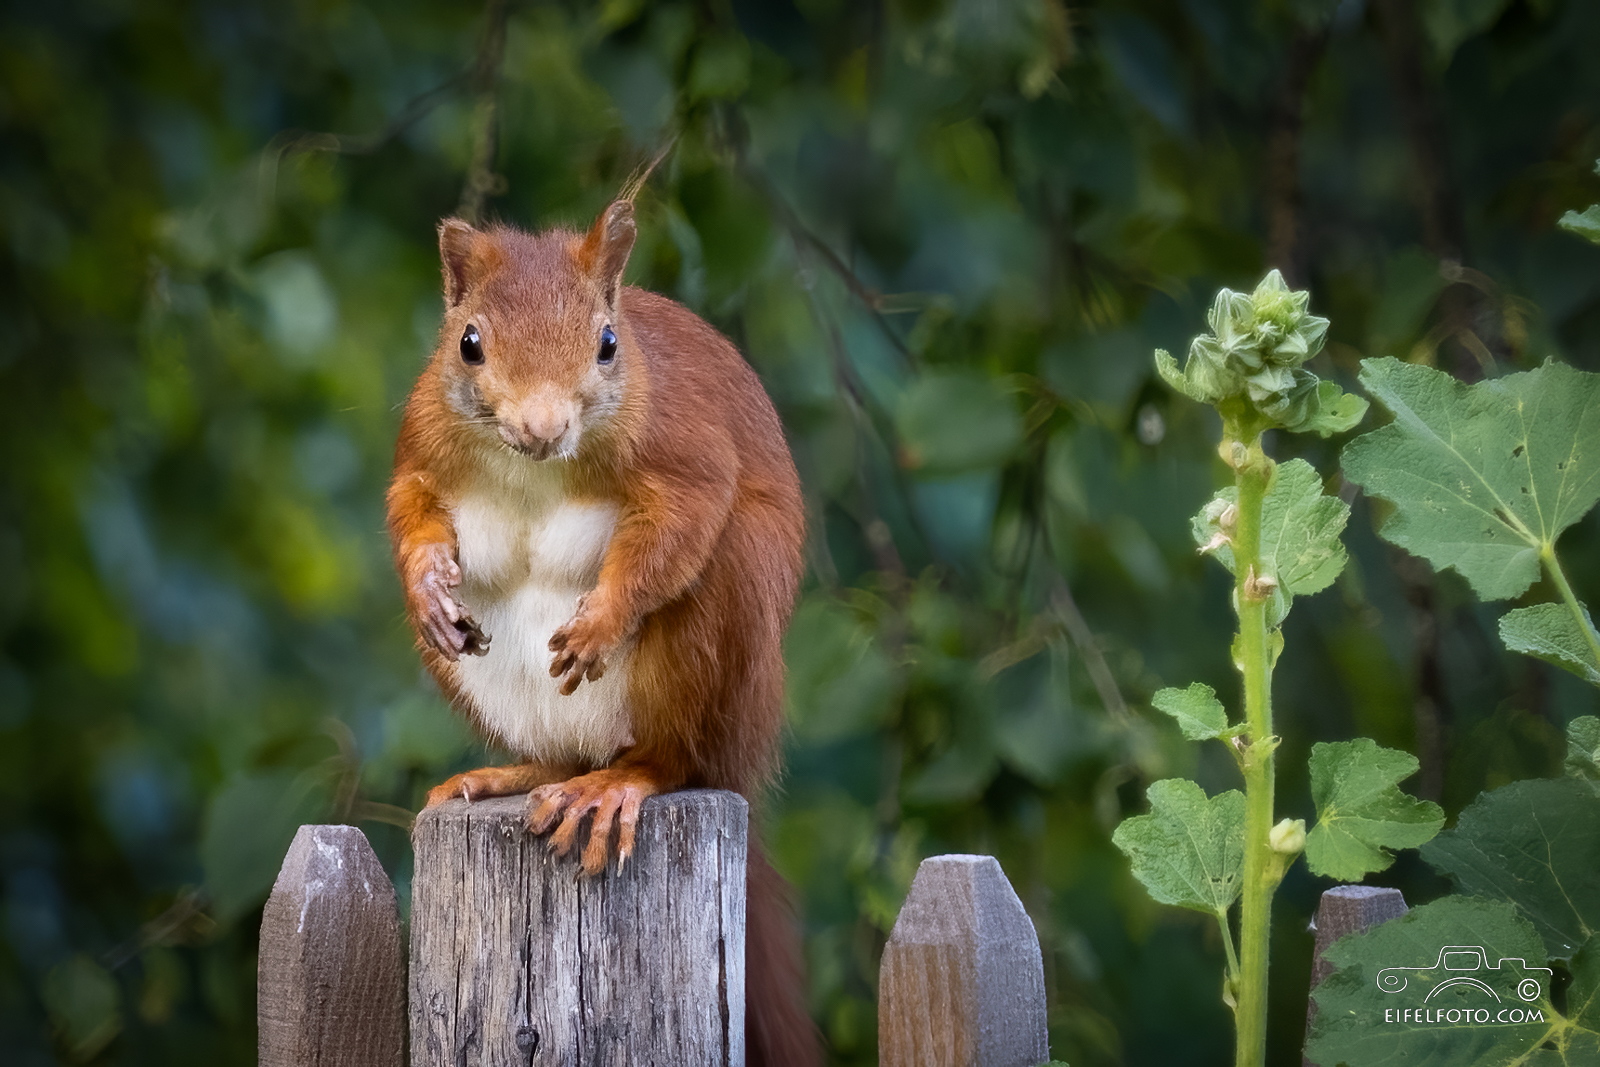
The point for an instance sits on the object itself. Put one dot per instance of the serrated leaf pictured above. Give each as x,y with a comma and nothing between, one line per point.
1535,844
1354,1024
1198,711
1549,632
1586,225
1206,526
1300,528
1482,476
1583,748
1361,812
1583,996
1189,851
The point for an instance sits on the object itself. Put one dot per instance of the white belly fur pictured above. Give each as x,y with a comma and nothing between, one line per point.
527,553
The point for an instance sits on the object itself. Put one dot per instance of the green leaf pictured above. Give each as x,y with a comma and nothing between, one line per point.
248,827
1198,711
302,313
1361,812
1586,225
1549,632
841,683
953,421
1583,996
721,67
84,1005
1274,650
1583,748
1534,844
1202,389
1482,476
1300,528
1359,1023
1335,412
1450,22
1189,850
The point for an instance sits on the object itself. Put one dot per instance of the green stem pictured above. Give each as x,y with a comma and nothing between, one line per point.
1552,566
1227,944
1254,660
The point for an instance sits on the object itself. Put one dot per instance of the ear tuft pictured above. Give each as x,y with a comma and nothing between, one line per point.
459,258
604,254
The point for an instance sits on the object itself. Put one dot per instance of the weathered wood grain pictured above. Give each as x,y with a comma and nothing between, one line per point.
516,958
962,981
331,980
1346,909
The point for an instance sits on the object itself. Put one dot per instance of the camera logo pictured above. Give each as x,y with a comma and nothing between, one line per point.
1467,967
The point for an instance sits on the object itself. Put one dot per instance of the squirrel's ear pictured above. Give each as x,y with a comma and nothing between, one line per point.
605,249
461,256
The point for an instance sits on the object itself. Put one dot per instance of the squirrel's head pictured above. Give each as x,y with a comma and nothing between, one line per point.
533,351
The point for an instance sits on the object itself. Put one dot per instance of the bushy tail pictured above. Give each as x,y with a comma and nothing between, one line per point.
778,1031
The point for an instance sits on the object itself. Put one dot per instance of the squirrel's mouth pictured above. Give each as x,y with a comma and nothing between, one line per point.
536,448
543,450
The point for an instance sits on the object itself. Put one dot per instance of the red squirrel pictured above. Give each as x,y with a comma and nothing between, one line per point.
599,528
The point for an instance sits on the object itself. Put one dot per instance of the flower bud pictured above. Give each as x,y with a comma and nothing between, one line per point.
1259,586
1288,837
1255,352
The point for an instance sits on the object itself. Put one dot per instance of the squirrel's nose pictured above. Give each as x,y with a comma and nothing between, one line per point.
544,430
537,441
539,427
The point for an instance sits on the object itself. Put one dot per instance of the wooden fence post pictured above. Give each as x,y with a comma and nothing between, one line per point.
1346,909
330,983
962,981
516,958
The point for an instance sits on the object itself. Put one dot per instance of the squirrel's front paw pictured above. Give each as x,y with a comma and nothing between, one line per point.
582,644
441,619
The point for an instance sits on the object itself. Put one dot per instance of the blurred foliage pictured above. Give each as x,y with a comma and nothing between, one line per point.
947,233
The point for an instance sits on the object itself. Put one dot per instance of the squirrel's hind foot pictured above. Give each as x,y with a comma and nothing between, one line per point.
613,794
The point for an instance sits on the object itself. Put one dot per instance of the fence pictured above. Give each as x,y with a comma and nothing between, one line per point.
517,959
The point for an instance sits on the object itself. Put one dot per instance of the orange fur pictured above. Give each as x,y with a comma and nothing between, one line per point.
672,461
488,782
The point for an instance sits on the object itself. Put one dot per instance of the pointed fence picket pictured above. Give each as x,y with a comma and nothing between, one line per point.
517,959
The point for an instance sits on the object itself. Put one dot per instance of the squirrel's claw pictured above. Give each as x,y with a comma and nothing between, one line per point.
488,782
580,647
442,620
474,642
452,637
572,669
612,795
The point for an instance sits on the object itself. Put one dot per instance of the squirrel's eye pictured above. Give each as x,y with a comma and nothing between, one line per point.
471,346
608,346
